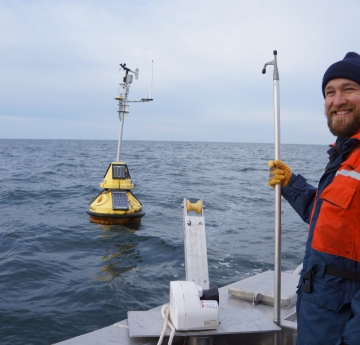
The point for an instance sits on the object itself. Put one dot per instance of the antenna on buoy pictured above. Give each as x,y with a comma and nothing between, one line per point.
151,85
123,101
152,77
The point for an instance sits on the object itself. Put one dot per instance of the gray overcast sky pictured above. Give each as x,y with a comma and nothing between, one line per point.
60,67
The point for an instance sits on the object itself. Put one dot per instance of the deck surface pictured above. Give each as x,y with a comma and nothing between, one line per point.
118,333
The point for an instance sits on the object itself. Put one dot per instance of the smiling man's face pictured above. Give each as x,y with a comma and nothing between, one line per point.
342,107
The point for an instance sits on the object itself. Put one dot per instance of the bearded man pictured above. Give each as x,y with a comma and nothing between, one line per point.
328,302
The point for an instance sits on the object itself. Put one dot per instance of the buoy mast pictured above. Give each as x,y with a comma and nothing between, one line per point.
122,98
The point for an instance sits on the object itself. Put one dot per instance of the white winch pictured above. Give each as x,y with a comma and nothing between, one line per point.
193,306
194,310
188,311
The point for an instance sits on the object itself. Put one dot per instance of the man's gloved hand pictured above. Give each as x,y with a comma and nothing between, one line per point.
279,172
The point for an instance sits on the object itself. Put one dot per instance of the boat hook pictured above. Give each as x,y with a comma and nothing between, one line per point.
277,262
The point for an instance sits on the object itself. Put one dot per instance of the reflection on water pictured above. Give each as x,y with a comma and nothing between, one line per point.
128,229
124,256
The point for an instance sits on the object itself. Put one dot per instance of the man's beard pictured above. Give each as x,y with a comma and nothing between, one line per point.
343,127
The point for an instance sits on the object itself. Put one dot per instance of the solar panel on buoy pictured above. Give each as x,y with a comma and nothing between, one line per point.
119,200
119,172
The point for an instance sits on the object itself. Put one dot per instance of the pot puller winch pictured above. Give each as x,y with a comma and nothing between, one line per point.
193,306
277,262
195,310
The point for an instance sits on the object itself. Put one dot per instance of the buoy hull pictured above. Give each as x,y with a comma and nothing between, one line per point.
116,204
107,219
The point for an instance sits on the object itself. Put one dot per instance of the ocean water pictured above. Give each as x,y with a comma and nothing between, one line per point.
62,276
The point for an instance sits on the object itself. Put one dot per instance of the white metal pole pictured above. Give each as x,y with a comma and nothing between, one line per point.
121,117
121,111
277,261
277,267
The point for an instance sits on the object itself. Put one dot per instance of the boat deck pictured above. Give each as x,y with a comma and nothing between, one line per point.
118,333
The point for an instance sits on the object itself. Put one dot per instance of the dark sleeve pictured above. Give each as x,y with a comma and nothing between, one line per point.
300,196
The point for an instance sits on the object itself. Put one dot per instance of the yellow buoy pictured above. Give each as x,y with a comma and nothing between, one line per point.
116,204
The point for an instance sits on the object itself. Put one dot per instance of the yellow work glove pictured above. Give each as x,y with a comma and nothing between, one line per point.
279,172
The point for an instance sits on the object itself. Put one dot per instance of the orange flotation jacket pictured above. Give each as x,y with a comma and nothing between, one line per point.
328,305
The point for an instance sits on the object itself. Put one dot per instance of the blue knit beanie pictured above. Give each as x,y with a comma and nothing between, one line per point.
348,68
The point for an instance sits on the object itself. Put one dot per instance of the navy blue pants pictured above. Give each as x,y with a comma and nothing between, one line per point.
318,325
